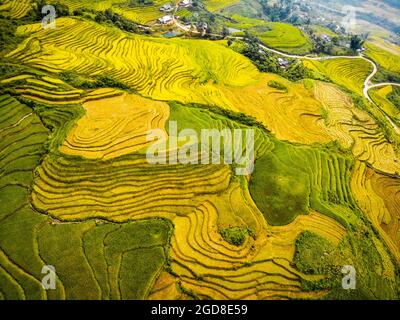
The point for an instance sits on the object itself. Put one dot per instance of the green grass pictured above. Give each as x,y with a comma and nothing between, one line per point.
316,255
84,254
290,180
281,36
137,267
312,251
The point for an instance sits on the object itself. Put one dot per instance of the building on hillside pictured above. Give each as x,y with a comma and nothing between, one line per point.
185,3
233,30
283,63
166,19
168,7
325,37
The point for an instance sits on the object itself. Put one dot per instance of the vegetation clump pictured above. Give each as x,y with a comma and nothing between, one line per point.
268,62
311,252
235,235
394,96
277,85
79,81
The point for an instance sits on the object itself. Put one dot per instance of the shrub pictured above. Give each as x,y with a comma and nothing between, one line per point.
235,235
277,85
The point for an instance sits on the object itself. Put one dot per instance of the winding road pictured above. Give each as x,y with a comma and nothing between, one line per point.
367,83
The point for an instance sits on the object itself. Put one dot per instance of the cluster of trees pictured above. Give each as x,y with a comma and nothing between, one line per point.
277,85
334,45
87,83
116,19
394,96
356,42
235,235
279,10
321,45
62,10
386,76
268,62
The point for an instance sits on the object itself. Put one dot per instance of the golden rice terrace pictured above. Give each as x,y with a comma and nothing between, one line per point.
148,151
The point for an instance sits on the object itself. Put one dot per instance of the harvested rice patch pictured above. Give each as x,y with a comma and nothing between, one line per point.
212,268
316,222
115,126
386,54
355,129
166,288
350,73
378,195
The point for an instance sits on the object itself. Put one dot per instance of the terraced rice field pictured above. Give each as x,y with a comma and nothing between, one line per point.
324,183
281,36
106,130
142,14
380,97
185,66
378,195
53,91
190,73
216,5
387,55
349,73
356,129
75,180
88,255
15,9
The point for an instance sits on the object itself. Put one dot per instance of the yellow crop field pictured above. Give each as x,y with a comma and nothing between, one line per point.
384,53
115,126
379,197
54,91
277,35
80,192
380,97
356,129
228,272
186,66
216,5
16,9
350,73
136,177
